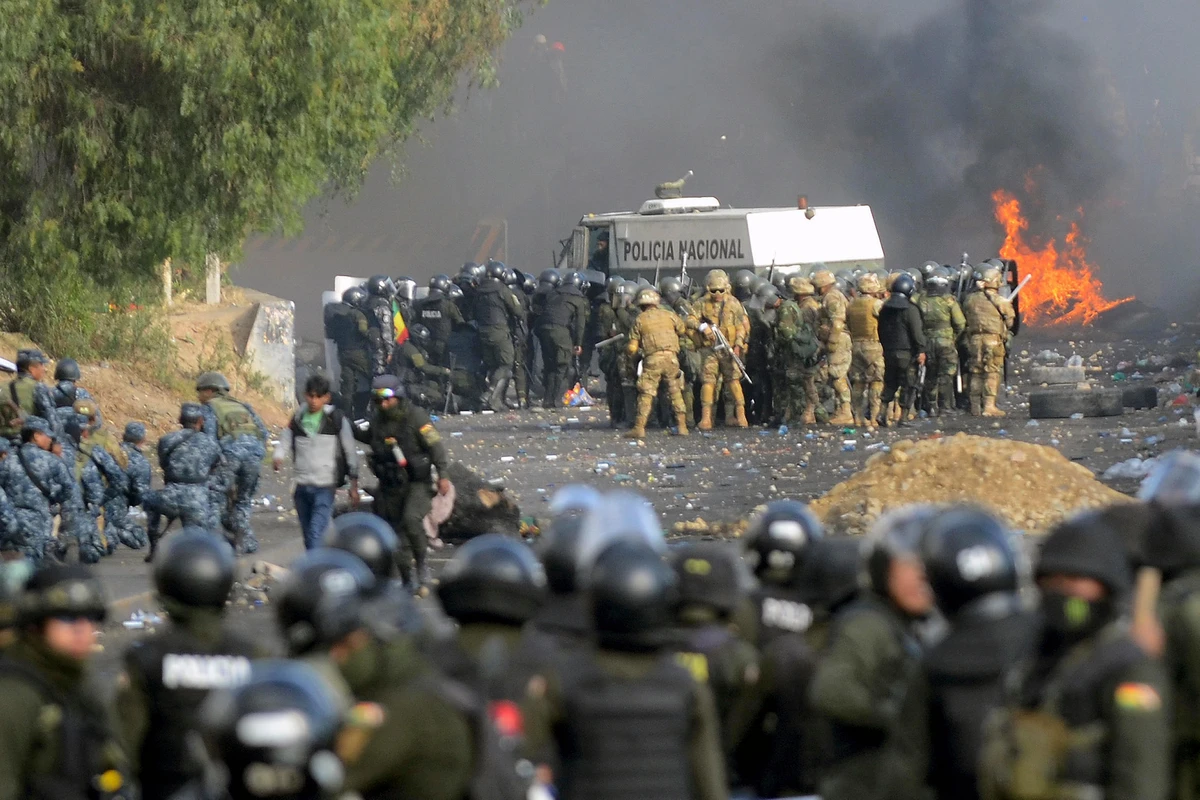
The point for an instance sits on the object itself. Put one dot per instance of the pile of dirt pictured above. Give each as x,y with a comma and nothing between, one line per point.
1030,486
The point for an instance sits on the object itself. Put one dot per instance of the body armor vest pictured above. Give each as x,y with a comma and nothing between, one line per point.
862,319
233,418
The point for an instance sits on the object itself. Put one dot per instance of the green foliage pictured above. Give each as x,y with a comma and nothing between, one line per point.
136,130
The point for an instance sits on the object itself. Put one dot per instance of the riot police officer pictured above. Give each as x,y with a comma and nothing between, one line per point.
167,676
868,682
973,570
243,439
633,722
440,315
560,330
347,325
391,608
405,450
247,756
902,334
381,321
499,316
1085,715
563,617
56,734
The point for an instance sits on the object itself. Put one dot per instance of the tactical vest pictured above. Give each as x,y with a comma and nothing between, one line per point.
23,391
65,393
627,738
343,324
658,332
936,313
178,672
1057,749
383,458
84,740
862,319
103,437
12,416
560,311
982,316
491,309
233,418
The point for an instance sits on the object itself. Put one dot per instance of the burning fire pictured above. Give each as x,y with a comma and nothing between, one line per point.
1063,290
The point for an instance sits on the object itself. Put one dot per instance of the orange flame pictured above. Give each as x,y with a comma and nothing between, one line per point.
1063,290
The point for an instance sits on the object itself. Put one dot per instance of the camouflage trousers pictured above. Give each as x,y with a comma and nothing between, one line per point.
78,526
243,460
719,364
866,378
795,390
661,367
36,533
120,527
986,354
187,502
835,367
941,366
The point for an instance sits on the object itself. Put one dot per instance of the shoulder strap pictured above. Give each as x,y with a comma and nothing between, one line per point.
25,465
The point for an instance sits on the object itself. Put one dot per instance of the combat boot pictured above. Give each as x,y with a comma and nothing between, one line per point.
495,399
873,412
681,423
842,415
630,400
810,415
706,407
644,404
739,416
992,388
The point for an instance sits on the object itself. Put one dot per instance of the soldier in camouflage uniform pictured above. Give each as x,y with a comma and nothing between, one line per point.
837,350
243,440
655,334
28,393
796,348
112,462
67,390
944,323
671,290
191,463
989,319
720,309
866,362
138,470
58,486
35,522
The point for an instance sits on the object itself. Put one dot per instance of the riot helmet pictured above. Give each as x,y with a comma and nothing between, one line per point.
620,516
355,296
529,283
1174,480
496,270
558,548
778,540
767,295
897,535
550,277
492,578
707,574
67,591
455,293
406,288
421,335
321,600
380,286
904,284
367,536
968,555
575,279
634,597
670,287
66,370
195,569
440,282
743,284
830,575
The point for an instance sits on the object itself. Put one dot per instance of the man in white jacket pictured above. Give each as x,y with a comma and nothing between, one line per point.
322,449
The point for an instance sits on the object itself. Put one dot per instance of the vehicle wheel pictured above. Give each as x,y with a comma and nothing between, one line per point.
1140,397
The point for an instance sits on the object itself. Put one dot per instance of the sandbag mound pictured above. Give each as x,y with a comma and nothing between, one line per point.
1030,486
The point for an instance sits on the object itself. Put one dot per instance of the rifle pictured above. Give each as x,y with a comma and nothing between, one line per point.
683,276
723,344
610,340
451,400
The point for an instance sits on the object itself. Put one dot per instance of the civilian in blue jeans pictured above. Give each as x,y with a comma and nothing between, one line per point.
321,445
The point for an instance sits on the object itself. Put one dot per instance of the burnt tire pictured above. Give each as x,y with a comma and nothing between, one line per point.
1140,397
1063,403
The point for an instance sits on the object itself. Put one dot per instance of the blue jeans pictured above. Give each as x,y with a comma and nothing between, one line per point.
314,507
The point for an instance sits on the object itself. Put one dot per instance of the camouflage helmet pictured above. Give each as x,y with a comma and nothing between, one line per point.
822,278
991,278
801,287
716,280
869,284
212,380
648,297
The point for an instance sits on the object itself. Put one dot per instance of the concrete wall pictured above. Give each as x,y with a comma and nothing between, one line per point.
266,338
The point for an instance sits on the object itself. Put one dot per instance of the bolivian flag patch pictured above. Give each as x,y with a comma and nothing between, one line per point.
429,434
1138,697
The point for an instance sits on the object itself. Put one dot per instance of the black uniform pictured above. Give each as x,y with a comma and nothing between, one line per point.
497,313
382,332
440,315
902,334
560,329
350,330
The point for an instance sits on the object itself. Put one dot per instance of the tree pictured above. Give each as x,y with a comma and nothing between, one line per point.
136,130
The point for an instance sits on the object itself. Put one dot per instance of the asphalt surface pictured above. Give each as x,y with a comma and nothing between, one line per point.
717,477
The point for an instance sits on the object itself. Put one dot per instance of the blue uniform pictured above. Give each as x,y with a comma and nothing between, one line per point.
56,482
243,438
189,461
114,501
31,507
137,474
64,394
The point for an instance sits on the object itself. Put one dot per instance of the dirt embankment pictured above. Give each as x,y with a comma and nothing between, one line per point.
204,339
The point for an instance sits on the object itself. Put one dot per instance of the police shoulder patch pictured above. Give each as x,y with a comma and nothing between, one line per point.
429,433
366,715
1138,697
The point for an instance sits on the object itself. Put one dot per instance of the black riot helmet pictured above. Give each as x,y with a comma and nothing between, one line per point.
575,279
634,597
938,285
474,273
455,292
621,516
778,539
440,282
529,283
380,286
195,569
512,278
68,591
897,534
367,536
904,284
1086,546
66,370
780,282
322,598
559,547
670,287
421,335
275,735
929,268
830,575
767,295
550,277
968,555
492,578
496,270
355,296
707,574
743,284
